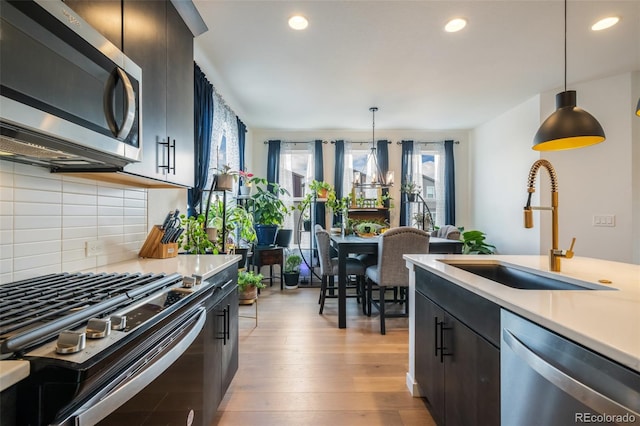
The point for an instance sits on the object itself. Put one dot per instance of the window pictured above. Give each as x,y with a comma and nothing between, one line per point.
432,179
296,173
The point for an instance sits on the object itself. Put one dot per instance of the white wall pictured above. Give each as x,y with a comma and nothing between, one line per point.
597,180
256,153
500,156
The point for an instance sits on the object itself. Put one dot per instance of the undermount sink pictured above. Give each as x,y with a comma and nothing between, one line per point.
521,279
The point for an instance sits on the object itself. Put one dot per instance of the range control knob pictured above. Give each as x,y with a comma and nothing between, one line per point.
70,342
118,322
97,328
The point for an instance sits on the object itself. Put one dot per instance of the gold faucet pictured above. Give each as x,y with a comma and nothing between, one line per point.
554,254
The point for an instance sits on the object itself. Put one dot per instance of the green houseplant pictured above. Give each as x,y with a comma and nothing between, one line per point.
225,177
194,240
411,189
292,270
319,188
248,284
268,209
474,243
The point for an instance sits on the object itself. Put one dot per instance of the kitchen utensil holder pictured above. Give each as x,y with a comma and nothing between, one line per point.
153,247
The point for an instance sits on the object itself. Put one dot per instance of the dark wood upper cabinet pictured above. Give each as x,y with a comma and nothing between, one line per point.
154,36
103,15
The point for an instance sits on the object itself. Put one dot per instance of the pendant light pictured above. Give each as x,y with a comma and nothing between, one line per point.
568,127
377,178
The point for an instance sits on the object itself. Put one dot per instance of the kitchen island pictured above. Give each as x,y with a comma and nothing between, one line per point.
605,321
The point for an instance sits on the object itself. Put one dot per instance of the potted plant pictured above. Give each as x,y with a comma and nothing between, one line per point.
225,178
474,243
194,240
268,209
248,284
245,182
319,188
242,223
411,189
292,270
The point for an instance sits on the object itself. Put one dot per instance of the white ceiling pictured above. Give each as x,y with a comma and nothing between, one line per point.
396,56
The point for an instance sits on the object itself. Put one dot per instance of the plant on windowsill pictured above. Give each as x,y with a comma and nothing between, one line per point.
248,284
292,270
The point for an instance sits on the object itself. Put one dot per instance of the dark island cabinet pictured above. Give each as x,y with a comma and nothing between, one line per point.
457,359
154,36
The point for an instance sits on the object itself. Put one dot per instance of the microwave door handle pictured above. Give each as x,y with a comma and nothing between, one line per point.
573,387
129,103
95,410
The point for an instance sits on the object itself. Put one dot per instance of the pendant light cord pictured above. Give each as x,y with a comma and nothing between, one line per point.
565,45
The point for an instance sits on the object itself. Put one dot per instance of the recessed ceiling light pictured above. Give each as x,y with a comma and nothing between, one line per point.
605,23
298,22
455,25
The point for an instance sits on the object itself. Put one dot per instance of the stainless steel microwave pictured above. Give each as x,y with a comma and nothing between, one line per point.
69,99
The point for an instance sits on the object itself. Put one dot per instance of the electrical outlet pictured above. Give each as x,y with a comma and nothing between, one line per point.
604,220
93,248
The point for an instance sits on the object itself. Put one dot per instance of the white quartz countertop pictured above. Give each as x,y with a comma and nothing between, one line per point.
11,372
199,265
607,322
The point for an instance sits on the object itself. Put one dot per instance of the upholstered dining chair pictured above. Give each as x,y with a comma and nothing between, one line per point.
329,269
391,270
449,232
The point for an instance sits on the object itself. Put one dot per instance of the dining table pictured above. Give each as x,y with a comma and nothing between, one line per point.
346,245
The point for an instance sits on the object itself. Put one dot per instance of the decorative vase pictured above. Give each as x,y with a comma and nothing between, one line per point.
266,234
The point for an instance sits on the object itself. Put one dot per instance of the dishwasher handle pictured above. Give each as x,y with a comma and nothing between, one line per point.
573,387
143,373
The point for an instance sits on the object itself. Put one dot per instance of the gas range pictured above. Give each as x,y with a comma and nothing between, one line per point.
82,309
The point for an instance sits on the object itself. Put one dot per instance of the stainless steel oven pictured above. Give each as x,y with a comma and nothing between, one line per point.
112,349
69,98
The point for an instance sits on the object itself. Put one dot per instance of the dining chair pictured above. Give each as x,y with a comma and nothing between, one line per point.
329,269
391,271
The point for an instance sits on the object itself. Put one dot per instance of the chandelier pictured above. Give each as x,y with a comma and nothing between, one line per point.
374,177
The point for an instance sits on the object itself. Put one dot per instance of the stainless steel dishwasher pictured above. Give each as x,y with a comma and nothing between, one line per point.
549,380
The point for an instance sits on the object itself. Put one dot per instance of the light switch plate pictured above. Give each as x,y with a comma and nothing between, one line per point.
93,248
604,220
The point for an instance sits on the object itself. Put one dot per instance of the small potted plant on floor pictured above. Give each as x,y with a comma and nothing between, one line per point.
248,284
292,270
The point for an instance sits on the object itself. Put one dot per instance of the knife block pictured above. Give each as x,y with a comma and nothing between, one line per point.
153,247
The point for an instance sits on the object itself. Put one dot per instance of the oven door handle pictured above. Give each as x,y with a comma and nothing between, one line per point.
142,375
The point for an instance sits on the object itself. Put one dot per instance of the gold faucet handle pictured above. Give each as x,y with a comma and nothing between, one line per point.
569,253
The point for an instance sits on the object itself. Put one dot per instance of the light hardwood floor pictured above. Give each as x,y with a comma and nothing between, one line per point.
298,368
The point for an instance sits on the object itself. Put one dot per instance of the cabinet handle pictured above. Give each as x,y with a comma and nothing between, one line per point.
228,324
224,326
172,146
442,347
165,166
436,324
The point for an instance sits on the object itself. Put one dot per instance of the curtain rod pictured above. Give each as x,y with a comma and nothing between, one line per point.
362,143
428,142
286,143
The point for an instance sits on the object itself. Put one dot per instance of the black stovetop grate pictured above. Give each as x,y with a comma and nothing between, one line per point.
36,308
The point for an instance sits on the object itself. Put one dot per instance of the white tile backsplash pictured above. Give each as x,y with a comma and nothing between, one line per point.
46,219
